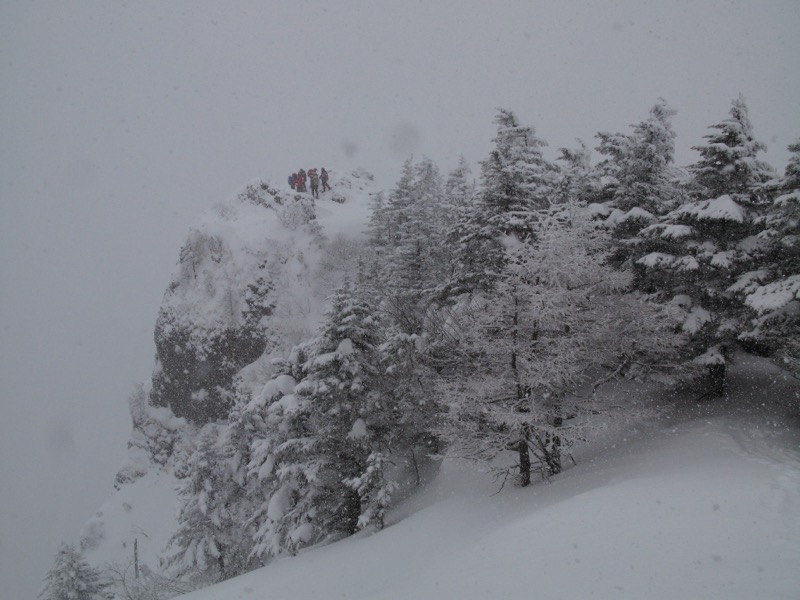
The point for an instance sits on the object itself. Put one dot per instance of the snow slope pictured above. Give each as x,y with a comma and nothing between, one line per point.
143,512
706,504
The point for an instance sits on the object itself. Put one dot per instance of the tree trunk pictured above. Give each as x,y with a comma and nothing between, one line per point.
223,572
553,451
716,378
524,457
524,465
352,511
416,467
552,454
548,450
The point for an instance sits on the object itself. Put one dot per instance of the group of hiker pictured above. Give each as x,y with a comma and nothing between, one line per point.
298,180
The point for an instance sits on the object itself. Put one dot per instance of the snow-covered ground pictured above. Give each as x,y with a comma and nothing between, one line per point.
703,504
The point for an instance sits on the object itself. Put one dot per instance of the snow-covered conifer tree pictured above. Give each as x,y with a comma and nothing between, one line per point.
212,540
557,313
411,259
460,188
729,163
577,182
642,159
378,226
406,387
516,181
516,178
700,249
327,430
416,214
265,423
72,578
772,290
455,207
640,184
388,213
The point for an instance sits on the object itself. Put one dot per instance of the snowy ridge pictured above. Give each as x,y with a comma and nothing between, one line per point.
262,222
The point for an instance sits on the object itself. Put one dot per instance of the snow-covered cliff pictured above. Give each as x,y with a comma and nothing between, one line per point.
252,280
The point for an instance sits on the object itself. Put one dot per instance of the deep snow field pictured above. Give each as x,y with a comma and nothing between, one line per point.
702,504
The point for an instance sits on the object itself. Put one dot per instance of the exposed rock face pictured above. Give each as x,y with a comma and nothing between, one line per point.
215,316
244,290
196,374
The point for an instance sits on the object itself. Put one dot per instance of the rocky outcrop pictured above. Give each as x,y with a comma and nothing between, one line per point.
243,291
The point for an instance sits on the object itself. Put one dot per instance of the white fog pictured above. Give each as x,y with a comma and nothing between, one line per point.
123,121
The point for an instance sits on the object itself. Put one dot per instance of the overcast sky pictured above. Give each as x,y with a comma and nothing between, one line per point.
121,122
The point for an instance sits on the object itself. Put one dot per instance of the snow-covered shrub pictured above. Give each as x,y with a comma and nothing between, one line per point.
72,578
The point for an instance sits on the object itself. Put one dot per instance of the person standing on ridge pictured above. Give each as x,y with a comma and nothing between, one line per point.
324,179
303,180
312,175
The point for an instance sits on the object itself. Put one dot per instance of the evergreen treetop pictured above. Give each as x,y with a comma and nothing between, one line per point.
72,578
729,162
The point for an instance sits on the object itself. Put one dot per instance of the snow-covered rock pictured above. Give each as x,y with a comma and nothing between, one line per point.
252,280
247,287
